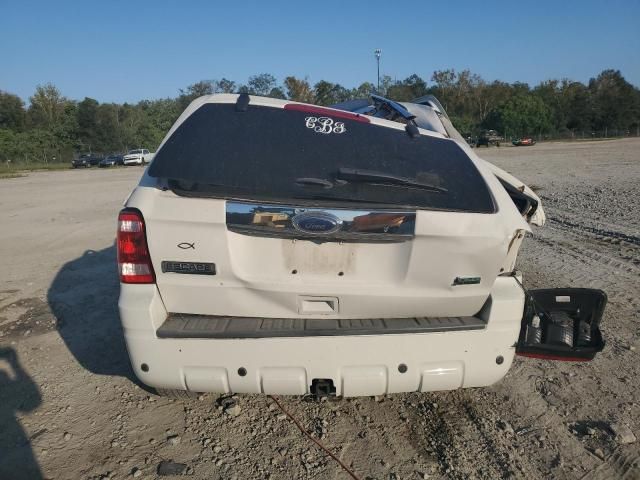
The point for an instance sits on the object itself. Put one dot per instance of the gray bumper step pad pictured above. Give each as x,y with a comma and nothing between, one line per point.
204,326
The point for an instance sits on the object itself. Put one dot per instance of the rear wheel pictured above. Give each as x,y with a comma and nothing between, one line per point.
177,394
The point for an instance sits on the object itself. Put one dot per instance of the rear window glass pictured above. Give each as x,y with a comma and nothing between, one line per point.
262,153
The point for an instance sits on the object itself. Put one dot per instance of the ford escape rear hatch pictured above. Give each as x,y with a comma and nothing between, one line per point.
308,212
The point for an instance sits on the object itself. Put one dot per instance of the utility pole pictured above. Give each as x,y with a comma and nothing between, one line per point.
377,52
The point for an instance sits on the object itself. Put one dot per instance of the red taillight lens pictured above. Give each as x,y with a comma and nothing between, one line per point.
551,356
134,262
299,107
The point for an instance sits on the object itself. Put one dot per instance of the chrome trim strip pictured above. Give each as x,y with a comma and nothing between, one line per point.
319,224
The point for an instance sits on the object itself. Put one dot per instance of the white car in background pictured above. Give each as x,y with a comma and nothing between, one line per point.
140,156
284,248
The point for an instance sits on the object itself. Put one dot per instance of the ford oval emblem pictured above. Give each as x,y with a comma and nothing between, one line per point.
316,223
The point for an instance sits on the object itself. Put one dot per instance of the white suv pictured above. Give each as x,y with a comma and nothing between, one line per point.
141,156
283,248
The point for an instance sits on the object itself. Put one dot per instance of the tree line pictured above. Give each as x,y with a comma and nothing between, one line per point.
55,128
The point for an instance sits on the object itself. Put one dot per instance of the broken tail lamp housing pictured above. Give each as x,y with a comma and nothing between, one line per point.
562,324
134,261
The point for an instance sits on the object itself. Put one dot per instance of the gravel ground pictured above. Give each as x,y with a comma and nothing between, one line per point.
70,407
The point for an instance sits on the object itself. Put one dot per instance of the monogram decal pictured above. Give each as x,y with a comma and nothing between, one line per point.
324,125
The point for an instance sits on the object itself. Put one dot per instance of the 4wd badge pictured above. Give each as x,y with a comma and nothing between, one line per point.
324,125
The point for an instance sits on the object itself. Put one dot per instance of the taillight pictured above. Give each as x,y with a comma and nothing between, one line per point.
134,262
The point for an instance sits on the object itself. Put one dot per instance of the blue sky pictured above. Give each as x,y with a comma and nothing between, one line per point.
115,50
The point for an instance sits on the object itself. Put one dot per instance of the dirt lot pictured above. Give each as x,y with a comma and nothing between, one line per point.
70,407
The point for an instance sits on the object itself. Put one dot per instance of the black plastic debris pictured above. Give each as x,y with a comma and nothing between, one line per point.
169,467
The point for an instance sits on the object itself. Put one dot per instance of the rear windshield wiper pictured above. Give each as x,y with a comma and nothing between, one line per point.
316,182
371,176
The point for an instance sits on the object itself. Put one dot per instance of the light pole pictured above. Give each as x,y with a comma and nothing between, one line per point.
377,52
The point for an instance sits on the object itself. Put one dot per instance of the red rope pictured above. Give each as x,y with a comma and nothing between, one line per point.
317,442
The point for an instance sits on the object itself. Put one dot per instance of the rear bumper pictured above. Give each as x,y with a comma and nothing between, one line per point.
358,364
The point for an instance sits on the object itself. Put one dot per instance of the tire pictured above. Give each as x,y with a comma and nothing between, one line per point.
176,394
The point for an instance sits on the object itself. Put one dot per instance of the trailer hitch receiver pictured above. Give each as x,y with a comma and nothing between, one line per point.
322,387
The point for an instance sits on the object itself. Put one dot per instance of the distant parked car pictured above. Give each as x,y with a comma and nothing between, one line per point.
471,141
489,137
86,160
112,161
139,156
524,142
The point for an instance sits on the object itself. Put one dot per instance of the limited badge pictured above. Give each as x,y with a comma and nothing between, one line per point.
324,125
